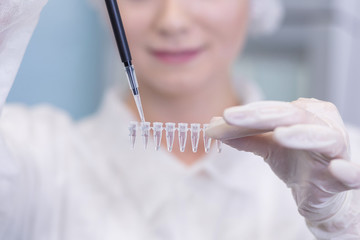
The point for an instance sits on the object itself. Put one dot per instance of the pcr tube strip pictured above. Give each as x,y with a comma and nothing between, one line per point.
170,129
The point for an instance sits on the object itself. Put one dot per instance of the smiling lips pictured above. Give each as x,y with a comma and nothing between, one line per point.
176,56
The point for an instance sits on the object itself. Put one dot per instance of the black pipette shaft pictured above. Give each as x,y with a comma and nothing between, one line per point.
119,31
124,51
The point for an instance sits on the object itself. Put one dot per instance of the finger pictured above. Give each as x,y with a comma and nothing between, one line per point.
320,139
346,172
219,129
269,115
243,139
326,111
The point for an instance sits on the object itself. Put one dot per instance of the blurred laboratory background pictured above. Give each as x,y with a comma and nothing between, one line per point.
314,53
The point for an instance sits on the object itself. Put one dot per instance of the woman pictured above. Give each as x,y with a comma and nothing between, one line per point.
66,180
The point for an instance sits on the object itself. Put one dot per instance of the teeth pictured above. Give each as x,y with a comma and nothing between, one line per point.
170,129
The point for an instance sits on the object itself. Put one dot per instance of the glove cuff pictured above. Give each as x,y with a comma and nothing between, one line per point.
344,223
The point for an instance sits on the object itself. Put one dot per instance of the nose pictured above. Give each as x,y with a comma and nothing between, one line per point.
172,19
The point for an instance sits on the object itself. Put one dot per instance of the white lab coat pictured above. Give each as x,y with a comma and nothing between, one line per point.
68,180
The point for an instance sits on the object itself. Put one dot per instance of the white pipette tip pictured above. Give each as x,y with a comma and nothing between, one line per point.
139,107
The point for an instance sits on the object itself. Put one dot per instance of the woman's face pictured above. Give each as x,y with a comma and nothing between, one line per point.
183,45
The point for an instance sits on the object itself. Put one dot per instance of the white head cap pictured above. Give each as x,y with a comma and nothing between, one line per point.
265,16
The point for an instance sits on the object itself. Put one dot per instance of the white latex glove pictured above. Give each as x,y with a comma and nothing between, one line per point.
18,19
306,145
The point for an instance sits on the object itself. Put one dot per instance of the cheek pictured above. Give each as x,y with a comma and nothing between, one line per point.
226,26
136,22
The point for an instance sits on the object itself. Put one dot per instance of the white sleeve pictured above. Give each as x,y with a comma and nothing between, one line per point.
346,224
34,146
18,19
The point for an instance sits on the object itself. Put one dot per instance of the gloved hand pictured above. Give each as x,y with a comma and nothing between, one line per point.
18,19
306,145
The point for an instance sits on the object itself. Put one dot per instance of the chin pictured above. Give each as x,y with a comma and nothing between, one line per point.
177,86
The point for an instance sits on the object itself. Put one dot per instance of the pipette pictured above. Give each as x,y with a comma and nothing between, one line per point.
124,51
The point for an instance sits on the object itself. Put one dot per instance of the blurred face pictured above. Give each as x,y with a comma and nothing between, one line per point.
183,45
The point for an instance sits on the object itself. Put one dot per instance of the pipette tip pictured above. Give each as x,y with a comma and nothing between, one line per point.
139,107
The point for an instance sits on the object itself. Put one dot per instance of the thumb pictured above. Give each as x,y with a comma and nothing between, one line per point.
258,144
241,138
221,130
348,173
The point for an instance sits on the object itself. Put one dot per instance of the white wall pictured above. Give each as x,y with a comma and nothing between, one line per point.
63,62
314,54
